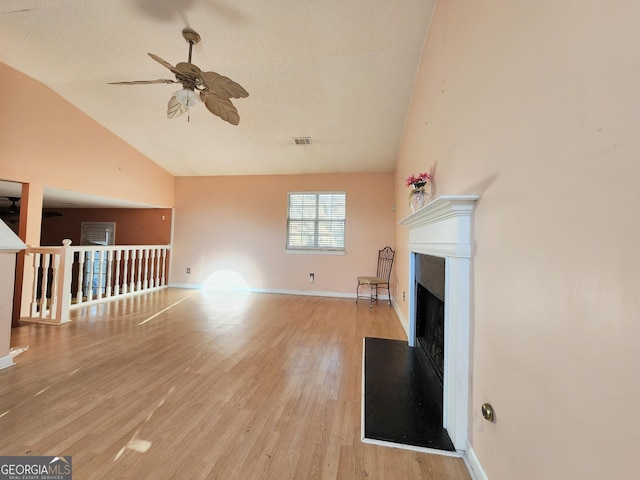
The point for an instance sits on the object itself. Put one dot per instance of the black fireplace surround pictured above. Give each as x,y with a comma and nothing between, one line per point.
430,279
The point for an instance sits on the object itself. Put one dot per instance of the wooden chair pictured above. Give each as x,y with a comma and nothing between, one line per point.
381,279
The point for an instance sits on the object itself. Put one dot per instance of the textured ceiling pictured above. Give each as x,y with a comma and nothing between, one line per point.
340,72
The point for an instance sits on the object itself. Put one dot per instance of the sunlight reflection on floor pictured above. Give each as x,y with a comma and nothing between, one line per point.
229,292
136,444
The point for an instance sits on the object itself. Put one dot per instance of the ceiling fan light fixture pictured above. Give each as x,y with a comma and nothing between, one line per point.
187,97
13,209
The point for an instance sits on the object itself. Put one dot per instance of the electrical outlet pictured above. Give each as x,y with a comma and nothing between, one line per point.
312,277
188,270
403,297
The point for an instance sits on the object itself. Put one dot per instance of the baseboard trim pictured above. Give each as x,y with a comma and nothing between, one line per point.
403,321
473,464
6,361
308,293
185,285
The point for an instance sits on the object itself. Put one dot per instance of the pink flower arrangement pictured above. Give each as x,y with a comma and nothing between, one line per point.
418,181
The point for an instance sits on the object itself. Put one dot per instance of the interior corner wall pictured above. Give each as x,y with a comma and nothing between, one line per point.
233,229
535,106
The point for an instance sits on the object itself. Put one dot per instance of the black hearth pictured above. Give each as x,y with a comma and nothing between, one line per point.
403,385
430,278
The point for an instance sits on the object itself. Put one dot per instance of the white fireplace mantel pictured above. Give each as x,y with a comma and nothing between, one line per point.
442,228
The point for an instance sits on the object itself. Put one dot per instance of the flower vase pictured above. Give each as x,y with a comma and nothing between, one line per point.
417,199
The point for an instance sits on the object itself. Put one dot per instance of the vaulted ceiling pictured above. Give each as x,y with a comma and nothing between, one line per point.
339,72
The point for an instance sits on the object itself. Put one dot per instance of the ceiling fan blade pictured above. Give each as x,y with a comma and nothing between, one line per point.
144,82
220,106
174,107
164,63
223,86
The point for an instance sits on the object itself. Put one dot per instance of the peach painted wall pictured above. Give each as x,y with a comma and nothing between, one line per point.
134,226
46,141
239,224
536,107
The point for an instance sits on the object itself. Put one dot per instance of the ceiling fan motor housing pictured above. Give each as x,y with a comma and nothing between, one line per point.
13,209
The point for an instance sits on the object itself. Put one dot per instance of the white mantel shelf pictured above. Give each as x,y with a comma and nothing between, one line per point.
442,227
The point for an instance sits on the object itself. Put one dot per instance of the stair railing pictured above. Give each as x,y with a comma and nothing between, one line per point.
70,277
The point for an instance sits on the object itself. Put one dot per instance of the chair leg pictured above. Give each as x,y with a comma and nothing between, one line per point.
373,287
357,292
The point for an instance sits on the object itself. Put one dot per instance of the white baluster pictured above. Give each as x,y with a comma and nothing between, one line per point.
139,271
145,281
116,283
101,273
132,275
63,283
79,293
154,259
109,273
125,269
55,271
89,276
164,266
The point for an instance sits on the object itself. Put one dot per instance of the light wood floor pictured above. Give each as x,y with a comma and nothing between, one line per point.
181,384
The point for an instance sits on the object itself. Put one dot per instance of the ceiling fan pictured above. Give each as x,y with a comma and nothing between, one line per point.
210,88
12,209
12,212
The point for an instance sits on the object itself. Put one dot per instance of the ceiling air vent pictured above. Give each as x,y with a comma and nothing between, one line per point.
302,140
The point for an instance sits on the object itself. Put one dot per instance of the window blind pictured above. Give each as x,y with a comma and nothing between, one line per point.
316,221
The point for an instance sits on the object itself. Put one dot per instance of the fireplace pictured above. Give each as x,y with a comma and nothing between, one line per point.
440,238
429,323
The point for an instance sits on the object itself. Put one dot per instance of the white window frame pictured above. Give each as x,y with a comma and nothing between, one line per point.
97,233
317,221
